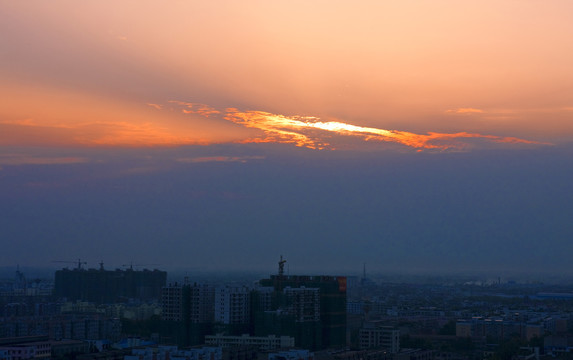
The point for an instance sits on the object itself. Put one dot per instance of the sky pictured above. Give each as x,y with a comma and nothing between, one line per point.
411,136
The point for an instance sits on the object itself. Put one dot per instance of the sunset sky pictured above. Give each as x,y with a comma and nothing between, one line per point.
108,108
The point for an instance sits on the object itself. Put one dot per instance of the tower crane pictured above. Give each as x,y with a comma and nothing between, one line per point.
79,262
282,266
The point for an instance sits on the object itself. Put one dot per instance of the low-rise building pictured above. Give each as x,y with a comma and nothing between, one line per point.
291,355
270,342
174,353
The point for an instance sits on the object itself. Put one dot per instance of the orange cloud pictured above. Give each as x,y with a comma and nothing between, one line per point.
196,108
129,134
99,133
465,111
155,106
34,123
277,128
300,132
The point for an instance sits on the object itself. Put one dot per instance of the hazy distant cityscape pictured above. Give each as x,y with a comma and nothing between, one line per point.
80,312
286,180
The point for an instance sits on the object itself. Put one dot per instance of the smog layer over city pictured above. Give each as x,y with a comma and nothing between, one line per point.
286,180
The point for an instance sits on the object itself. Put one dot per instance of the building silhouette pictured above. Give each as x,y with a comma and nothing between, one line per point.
233,305
312,309
187,312
103,286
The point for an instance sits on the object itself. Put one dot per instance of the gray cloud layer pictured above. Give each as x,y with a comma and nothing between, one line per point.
325,211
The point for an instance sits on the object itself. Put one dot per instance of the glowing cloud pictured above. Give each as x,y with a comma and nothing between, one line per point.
298,131
311,132
129,134
155,106
277,128
105,133
302,131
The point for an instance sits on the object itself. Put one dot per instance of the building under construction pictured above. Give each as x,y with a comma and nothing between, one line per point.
312,309
104,286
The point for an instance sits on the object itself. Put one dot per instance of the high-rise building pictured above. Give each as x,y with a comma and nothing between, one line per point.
172,302
312,309
103,286
303,303
188,302
188,312
202,306
233,305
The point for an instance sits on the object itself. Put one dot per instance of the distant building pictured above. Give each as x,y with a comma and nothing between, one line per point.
464,329
270,342
21,348
556,345
66,349
233,305
291,355
39,347
188,302
374,334
355,307
188,312
347,354
173,352
65,326
497,329
103,286
414,354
